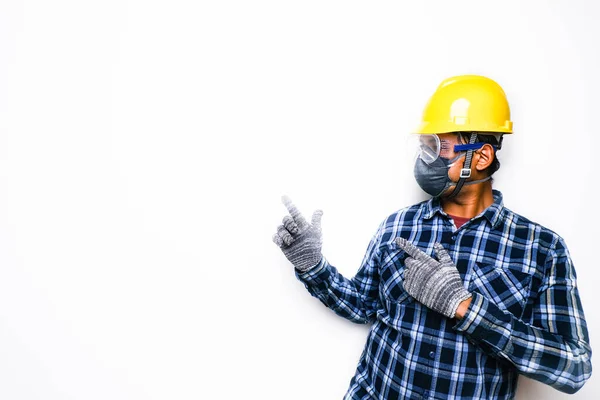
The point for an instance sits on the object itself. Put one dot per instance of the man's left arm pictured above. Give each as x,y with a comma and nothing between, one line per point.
554,348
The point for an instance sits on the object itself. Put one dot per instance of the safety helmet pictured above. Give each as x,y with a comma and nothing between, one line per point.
467,103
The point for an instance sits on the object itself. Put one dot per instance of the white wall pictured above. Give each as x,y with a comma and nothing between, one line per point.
144,147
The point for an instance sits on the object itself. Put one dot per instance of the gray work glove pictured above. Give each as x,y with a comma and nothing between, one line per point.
300,241
434,283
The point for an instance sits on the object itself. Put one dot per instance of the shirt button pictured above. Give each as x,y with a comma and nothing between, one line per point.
453,237
432,354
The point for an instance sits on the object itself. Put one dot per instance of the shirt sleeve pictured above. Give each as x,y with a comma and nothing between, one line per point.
355,299
555,348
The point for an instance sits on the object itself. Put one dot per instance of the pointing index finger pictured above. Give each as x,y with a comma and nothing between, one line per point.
294,212
411,249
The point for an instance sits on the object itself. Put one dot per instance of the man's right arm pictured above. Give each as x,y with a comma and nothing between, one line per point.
355,299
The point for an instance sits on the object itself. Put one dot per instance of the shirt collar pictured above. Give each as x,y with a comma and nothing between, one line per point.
494,213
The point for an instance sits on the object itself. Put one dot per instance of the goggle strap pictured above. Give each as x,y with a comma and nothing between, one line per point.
471,146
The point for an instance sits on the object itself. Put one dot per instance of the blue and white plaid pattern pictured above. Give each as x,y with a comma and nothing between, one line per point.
525,316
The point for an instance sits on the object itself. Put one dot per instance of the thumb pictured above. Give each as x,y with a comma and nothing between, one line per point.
442,254
316,219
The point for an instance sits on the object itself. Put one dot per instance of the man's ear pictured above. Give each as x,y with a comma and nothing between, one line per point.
486,157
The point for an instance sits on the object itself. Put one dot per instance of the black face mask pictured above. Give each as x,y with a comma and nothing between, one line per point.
433,178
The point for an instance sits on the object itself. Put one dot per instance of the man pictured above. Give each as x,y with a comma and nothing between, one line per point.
464,293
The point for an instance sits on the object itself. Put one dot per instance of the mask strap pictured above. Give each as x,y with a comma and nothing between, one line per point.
478,181
455,159
465,172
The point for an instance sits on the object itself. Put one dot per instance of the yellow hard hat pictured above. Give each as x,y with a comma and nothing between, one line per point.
467,103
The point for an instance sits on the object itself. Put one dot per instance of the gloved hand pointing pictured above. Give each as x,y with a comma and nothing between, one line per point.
436,284
300,241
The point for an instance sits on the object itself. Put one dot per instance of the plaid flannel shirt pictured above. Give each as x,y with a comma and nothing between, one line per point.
525,316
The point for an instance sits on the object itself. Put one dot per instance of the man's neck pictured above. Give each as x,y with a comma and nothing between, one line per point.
470,201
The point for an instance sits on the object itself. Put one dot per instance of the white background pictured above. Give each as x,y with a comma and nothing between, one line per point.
145,145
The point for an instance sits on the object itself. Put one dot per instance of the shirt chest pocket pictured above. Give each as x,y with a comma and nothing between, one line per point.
507,286
392,279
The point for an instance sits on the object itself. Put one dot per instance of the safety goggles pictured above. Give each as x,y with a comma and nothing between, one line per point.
430,147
